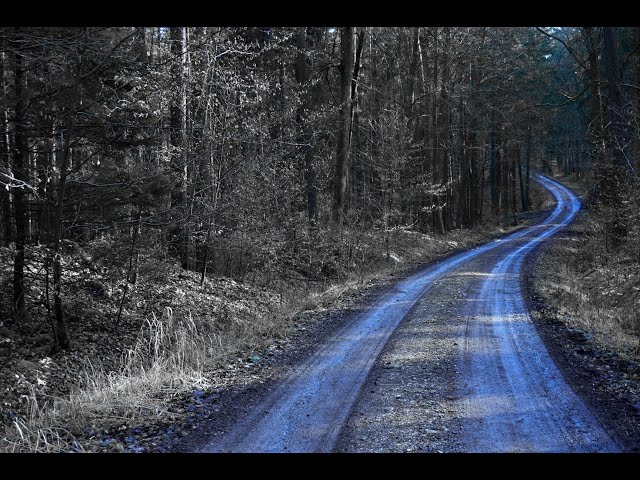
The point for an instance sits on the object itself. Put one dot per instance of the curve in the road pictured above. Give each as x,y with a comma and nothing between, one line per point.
305,411
515,398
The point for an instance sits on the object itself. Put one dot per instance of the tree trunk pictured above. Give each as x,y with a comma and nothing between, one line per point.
62,334
342,154
494,167
527,170
595,99
21,174
614,104
446,86
5,165
302,76
177,138
523,199
514,198
636,135
436,164
62,339
614,183
355,180
498,175
354,83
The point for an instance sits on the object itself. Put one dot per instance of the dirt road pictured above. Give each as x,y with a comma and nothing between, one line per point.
464,371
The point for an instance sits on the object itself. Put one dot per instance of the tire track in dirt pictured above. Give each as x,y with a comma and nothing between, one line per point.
307,410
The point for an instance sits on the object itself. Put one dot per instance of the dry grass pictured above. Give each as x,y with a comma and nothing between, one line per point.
592,290
170,357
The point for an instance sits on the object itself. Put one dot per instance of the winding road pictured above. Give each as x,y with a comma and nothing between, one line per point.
511,396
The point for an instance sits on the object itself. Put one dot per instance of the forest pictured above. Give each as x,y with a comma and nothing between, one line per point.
171,197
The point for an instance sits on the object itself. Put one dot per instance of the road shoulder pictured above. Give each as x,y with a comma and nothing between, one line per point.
601,378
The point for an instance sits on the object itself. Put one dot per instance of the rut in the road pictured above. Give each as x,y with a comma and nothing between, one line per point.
306,411
514,397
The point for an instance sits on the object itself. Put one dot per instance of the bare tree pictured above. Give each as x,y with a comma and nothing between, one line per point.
342,149
21,173
302,76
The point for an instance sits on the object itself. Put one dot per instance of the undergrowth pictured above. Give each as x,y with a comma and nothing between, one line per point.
593,286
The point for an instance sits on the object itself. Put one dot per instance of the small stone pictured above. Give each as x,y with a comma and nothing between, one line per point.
197,393
106,442
116,447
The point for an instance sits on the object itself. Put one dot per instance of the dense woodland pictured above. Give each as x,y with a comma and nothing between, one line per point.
264,153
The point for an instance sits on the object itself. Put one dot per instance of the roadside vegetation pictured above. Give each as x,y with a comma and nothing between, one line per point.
592,283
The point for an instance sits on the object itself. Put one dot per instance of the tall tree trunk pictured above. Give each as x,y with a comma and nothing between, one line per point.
354,83
141,43
523,197
498,170
342,153
446,141
411,83
436,164
514,198
597,110
614,104
636,132
177,137
527,170
615,183
5,164
62,339
302,76
463,192
494,166
416,121
355,181
421,122
21,174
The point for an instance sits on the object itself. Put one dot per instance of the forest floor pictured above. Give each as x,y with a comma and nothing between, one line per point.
109,393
